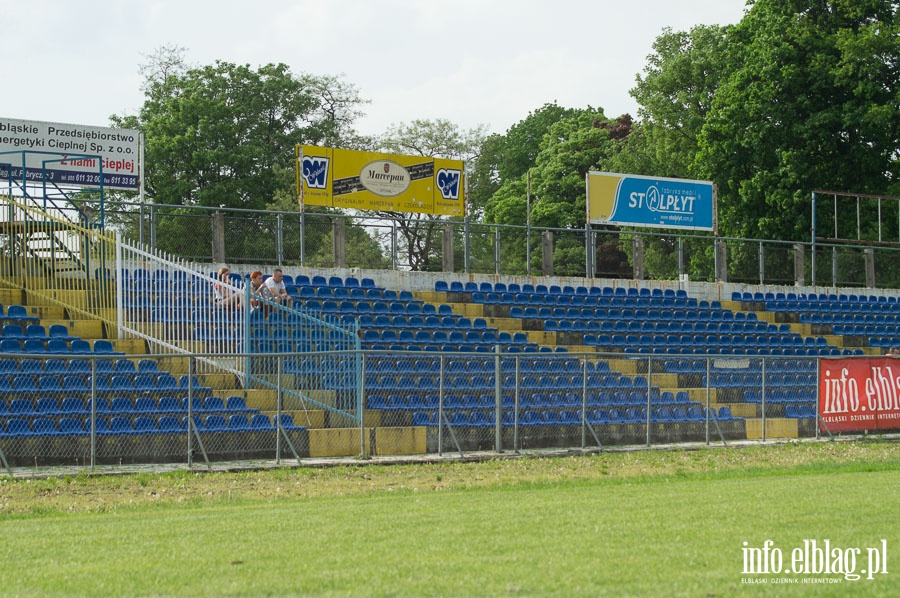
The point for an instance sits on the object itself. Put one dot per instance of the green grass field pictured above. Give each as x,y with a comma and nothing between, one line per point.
640,524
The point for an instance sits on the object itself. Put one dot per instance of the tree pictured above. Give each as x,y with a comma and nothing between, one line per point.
506,158
419,234
811,103
675,95
214,134
223,135
570,148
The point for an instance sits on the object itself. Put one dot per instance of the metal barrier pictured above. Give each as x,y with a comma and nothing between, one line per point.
94,410
321,240
179,308
57,262
226,235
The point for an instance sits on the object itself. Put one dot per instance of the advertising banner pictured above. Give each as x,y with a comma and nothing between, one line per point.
859,394
341,178
656,202
69,155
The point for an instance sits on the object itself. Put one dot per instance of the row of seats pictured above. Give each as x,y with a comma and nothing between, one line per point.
463,348
828,319
500,287
77,365
484,365
699,366
884,342
781,395
189,296
628,315
756,380
37,331
811,298
57,346
448,322
672,350
870,330
163,276
124,426
554,300
826,308
560,382
121,383
710,341
800,411
471,337
453,401
550,417
120,405
348,293
673,326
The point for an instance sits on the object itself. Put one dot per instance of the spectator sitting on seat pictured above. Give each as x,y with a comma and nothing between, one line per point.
223,294
259,290
275,284
893,352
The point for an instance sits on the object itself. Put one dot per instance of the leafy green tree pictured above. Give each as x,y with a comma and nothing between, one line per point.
675,95
223,135
570,148
506,158
214,134
811,103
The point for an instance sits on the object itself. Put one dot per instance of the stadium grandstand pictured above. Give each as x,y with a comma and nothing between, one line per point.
115,352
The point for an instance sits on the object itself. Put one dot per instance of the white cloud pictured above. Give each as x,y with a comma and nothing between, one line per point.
470,61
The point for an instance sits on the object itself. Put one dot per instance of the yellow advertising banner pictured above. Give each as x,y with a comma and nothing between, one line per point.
340,178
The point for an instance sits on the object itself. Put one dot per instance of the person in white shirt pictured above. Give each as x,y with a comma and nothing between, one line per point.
275,284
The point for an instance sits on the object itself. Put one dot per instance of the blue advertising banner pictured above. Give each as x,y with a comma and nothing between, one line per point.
656,202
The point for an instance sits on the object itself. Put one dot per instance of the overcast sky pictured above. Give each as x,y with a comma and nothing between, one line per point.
472,62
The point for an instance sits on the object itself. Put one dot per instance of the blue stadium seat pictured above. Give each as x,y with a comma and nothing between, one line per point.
238,422
69,426
261,422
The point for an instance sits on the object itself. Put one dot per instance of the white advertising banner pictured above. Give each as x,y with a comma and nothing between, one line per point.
69,155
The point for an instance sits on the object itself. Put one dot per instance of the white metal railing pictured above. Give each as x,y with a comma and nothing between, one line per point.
183,308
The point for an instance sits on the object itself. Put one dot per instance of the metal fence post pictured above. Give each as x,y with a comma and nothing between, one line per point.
649,418
93,412
279,387
762,263
279,239
153,214
584,376
708,393
395,261
466,245
763,399
498,400
190,421
361,407
302,239
516,408
440,415
497,250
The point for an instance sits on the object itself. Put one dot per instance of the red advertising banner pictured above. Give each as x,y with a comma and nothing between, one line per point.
859,394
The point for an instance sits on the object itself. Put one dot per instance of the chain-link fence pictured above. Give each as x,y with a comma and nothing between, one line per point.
115,409
319,240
